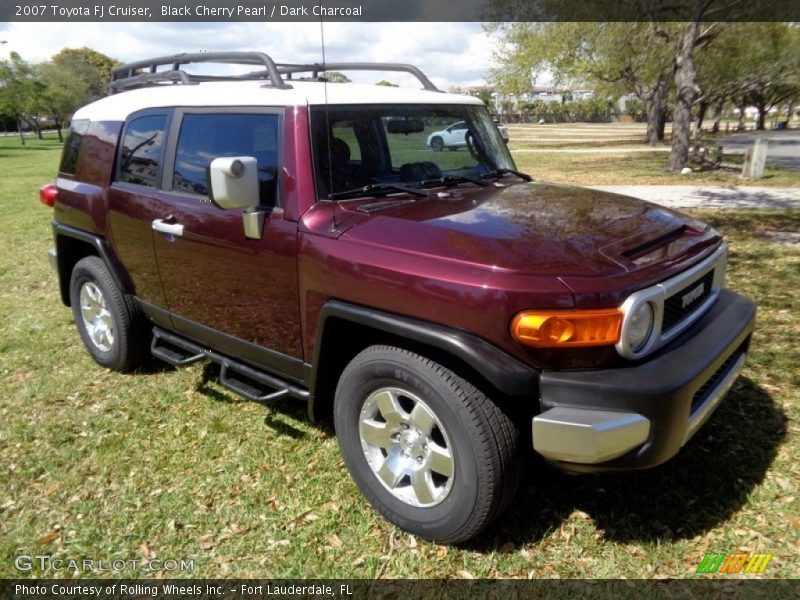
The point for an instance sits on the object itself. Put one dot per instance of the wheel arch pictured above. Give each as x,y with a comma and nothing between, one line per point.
346,329
74,244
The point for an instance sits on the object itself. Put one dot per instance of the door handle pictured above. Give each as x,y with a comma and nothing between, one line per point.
175,229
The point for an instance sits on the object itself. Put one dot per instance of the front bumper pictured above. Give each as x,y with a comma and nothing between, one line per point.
640,416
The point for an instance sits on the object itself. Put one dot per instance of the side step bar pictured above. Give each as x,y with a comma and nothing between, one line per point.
242,379
177,351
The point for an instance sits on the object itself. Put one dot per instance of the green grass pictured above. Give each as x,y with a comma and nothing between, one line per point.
102,465
635,168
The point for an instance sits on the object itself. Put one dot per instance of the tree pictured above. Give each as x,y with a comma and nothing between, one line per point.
19,93
771,73
92,66
387,83
336,77
72,78
614,58
63,93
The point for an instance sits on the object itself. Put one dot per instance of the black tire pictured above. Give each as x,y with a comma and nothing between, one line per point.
111,327
459,500
437,144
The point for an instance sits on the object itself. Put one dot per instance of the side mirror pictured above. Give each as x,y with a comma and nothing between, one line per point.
234,184
234,181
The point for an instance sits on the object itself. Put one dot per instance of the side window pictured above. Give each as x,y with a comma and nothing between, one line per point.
204,137
140,162
72,147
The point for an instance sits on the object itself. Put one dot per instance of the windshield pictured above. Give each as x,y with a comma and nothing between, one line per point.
412,145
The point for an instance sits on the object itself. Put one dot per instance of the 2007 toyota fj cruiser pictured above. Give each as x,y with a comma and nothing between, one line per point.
306,237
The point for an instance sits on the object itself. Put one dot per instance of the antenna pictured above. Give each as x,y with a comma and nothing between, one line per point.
327,123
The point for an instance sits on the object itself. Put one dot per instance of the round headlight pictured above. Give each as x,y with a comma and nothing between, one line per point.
640,324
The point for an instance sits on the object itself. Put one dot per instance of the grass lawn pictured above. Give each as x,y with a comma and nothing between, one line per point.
635,168
613,154
166,464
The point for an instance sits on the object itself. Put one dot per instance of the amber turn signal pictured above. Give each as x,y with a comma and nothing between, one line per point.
567,329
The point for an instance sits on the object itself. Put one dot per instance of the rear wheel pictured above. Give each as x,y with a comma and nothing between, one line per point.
110,325
429,450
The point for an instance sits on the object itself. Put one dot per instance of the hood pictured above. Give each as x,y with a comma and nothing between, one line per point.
533,228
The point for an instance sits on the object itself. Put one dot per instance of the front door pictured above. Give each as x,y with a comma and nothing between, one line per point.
236,294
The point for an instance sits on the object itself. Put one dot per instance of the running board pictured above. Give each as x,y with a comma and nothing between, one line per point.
242,379
175,350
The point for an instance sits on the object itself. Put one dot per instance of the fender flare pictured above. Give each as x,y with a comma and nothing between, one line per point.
101,248
505,372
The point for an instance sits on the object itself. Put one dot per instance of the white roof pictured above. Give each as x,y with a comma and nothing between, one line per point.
254,93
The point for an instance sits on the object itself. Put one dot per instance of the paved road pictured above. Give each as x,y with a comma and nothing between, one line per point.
783,146
724,197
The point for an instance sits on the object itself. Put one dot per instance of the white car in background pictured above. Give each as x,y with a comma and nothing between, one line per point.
454,137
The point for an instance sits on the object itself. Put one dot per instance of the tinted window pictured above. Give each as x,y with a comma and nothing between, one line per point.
140,162
397,156
204,137
72,147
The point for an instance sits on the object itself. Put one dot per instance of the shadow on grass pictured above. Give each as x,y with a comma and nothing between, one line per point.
708,481
276,410
701,487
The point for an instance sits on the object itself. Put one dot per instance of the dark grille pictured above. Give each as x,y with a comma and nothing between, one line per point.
701,395
674,309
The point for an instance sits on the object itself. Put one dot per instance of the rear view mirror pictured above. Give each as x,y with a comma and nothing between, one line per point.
405,126
234,184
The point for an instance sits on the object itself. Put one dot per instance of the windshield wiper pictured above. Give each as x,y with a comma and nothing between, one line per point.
456,179
499,172
381,188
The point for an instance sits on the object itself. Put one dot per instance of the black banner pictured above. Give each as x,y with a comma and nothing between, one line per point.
217,589
409,10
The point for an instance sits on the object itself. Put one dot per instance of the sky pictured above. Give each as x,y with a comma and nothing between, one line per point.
450,54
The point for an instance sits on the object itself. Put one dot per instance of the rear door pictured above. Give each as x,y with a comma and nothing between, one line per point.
133,203
236,294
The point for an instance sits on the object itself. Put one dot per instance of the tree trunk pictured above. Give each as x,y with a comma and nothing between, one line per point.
19,129
742,116
762,116
656,101
58,128
720,106
687,91
701,115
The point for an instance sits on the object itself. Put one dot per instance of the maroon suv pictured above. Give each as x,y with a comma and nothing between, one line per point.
304,236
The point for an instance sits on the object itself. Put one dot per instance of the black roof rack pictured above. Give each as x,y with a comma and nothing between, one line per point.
316,69
145,72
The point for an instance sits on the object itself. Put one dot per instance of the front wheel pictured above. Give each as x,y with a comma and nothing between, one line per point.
429,450
437,144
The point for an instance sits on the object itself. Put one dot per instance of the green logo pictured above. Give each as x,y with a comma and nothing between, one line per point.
735,562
